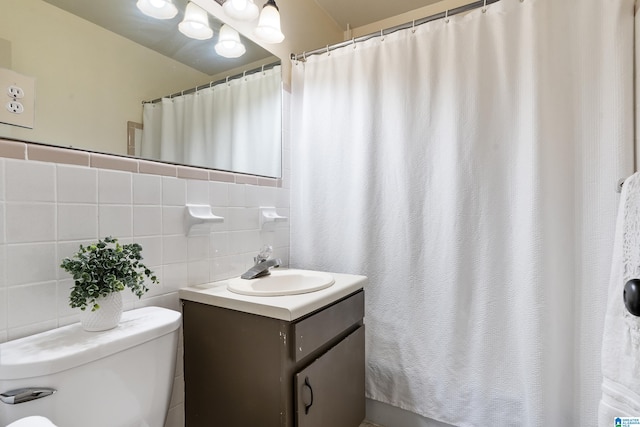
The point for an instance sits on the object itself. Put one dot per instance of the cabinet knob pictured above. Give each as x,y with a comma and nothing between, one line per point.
631,296
304,386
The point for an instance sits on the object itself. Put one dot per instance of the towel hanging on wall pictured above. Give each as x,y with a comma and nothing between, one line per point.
621,340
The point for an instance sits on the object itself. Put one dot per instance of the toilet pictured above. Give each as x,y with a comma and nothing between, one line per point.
34,421
69,377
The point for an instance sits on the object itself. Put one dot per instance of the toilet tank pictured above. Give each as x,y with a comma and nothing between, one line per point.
117,378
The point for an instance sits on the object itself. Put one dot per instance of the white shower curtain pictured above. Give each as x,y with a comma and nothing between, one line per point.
230,126
468,169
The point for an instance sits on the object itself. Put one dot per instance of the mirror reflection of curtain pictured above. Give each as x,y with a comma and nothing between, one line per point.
234,126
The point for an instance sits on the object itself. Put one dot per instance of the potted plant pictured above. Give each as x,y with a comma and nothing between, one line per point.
100,272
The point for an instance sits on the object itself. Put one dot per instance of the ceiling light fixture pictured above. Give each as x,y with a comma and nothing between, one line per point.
268,29
159,9
195,23
243,10
229,44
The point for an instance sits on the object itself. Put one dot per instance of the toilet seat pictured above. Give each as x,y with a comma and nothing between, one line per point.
34,421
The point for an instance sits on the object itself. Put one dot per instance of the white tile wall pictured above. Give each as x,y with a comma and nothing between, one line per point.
152,250
77,222
77,184
114,187
30,263
3,270
3,258
147,189
197,192
1,179
32,303
219,244
115,220
173,220
236,196
174,191
198,248
243,219
174,249
29,181
198,272
31,222
47,210
218,194
3,309
147,220
66,314
2,234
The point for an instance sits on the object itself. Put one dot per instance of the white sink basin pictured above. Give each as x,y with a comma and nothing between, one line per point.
282,282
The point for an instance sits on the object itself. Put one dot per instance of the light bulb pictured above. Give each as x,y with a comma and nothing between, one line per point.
195,23
229,44
268,29
242,10
239,4
159,9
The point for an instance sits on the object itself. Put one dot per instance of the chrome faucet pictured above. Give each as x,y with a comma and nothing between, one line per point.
263,262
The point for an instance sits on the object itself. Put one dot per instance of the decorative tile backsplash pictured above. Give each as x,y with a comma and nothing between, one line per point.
65,198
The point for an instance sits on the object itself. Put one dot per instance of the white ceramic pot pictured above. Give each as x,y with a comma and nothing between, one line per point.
106,317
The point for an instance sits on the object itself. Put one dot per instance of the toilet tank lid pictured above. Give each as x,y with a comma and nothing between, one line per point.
60,349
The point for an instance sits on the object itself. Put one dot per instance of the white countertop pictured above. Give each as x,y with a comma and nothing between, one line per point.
289,307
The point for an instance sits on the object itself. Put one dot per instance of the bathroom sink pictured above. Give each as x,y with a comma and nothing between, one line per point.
282,282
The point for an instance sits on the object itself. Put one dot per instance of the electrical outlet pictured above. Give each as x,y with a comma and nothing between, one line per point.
15,92
15,107
17,104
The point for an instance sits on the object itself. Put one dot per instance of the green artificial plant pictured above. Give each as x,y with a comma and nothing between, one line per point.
105,267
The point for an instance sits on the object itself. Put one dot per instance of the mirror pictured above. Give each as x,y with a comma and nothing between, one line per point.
91,78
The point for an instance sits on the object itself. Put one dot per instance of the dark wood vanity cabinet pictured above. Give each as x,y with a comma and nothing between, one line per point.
246,370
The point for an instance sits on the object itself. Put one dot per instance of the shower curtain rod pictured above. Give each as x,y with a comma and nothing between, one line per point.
382,33
217,82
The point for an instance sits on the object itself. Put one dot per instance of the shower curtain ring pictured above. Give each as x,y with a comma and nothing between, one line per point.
381,35
244,75
446,16
263,69
353,40
328,51
413,26
228,81
484,6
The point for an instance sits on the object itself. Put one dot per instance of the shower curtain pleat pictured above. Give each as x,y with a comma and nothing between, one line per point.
230,126
467,169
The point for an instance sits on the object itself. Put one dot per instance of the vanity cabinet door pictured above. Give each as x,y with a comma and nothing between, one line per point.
330,391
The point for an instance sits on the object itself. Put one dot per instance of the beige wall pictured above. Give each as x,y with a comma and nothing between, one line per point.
89,81
403,18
